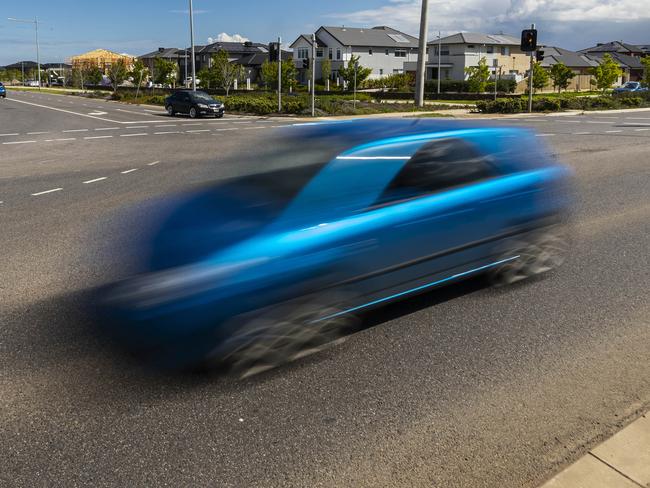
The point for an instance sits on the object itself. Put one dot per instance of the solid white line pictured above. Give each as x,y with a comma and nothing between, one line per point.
98,137
129,171
374,157
638,118
613,131
197,130
75,130
167,132
581,133
46,191
153,164
639,130
132,135
5,135
96,179
108,128
35,133
18,142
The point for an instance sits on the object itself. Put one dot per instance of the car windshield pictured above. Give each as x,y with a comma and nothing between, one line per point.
630,84
203,97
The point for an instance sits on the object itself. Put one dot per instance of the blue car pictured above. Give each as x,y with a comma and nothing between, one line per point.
267,268
630,86
3,91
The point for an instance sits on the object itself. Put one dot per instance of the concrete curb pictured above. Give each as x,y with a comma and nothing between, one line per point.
622,461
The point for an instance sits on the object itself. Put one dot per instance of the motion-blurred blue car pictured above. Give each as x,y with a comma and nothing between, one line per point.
269,267
3,91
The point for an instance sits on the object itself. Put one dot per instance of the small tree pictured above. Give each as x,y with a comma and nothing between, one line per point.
348,74
540,77
117,73
646,70
326,69
269,73
561,75
478,76
205,78
606,73
165,71
224,72
139,73
92,75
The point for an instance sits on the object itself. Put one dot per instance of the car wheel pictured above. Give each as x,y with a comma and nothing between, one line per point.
193,113
220,116
539,253
170,110
288,332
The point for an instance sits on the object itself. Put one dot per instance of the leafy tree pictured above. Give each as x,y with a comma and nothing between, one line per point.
204,76
326,69
269,73
478,76
223,72
139,72
353,66
606,73
561,75
165,71
92,75
540,77
117,73
646,70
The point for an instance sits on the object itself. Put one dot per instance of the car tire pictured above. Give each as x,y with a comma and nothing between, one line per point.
193,113
220,116
287,332
170,110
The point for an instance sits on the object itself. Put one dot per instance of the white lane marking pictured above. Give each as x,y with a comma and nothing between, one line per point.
138,127
639,130
544,135
167,125
5,135
46,191
63,110
98,137
131,111
253,128
571,121
402,158
247,122
197,130
129,171
154,111
191,125
230,128
18,142
66,139
581,133
610,118
35,133
597,122
95,180
167,132
153,164
133,135
638,118
108,128
75,130
97,113
613,131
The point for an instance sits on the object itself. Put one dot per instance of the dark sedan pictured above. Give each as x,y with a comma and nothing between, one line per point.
193,103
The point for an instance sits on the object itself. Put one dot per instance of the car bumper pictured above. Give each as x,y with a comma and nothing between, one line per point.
211,111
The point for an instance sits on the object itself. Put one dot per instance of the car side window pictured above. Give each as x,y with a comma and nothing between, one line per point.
438,166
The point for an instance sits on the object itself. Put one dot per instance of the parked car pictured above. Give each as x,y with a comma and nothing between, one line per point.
631,86
267,268
33,83
3,91
193,103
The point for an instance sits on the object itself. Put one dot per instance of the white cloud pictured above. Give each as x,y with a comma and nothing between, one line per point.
223,37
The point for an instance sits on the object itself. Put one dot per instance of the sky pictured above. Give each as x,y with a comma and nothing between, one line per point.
137,27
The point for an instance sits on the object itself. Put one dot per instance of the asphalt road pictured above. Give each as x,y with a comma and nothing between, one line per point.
466,386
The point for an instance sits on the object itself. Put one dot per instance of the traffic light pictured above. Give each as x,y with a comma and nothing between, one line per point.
273,51
305,63
529,40
539,56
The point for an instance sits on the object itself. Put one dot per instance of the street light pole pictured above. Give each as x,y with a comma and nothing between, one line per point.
419,81
439,53
279,74
38,55
313,75
192,43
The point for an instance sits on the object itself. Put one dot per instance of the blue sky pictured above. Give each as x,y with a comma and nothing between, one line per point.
71,27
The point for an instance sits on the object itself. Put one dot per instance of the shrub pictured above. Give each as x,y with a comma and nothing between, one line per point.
546,105
501,105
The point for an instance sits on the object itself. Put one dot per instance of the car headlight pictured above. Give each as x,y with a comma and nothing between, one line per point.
202,105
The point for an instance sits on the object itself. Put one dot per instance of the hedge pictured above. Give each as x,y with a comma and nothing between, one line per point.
547,104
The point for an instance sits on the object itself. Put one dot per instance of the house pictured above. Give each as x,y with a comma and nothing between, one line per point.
464,49
630,65
382,49
614,47
168,54
580,64
101,58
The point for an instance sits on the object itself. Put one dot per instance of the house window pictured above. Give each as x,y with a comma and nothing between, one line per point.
330,53
319,52
387,52
398,71
400,53
470,46
381,72
370,51
505,51
338,54
303,53
444,51
490,49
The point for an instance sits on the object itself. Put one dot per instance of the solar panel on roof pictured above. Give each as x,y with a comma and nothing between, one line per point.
398,38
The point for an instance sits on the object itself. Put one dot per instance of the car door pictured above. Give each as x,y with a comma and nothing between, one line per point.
183,102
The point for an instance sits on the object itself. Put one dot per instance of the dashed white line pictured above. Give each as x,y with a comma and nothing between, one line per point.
167,132
191,125
197,130
66,139
108,128
35,133
98,137
133,135
138,127
581,133
129,171
613,131
247,122
544,135
18,142
153,163
597,122
95,180
167,125
253,128
46,191
75,130
639,130
230,128
6,135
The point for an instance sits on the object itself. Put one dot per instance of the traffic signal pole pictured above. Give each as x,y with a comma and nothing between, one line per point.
530,77
313,75
279,75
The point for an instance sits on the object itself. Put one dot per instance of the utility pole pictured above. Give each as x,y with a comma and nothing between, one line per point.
38,55
422,54
439,53
356,67
279,75
530,78
192,41
313,75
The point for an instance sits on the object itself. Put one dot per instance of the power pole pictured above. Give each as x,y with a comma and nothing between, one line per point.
530,79
279,75
313,75
422,54
38,55
192,41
